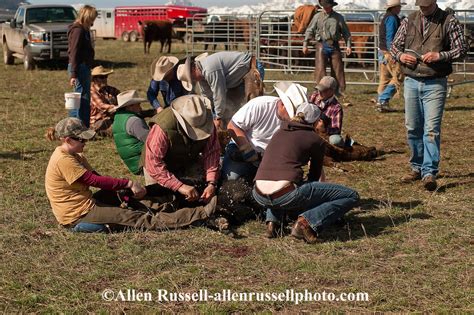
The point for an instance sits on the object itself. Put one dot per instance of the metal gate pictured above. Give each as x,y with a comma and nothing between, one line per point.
268,35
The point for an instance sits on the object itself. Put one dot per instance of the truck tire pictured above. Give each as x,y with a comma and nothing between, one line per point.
8,58
133,36
28,61
125,36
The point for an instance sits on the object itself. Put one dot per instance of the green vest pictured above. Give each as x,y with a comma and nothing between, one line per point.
128,147
183,152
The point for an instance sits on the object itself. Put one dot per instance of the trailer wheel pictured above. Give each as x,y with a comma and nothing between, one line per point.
133,36
8,58
125,36
28,61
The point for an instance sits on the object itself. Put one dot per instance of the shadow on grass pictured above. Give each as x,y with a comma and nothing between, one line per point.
458,108
374,204
443,188
115,65
24,155
470,175
369,226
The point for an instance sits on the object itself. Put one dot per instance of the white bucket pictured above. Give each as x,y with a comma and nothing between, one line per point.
73,100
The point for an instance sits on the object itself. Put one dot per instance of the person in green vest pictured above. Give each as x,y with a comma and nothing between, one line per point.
130,131
183,145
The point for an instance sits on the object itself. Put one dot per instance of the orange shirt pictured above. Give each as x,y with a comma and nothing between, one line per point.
69,199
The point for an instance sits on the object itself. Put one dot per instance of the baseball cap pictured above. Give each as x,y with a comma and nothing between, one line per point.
327,82
311,112
73,127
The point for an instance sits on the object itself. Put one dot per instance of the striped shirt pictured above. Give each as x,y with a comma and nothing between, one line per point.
157,145
457,41
331,109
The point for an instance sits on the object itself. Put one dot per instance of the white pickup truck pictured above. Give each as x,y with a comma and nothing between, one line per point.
37,32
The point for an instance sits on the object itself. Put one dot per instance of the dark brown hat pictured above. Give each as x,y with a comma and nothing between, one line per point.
327,3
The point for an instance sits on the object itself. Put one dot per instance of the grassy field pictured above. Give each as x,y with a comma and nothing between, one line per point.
409,249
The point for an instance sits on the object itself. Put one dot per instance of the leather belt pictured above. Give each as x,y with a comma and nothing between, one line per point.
277,194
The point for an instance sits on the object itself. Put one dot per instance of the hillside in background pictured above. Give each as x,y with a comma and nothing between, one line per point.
10,4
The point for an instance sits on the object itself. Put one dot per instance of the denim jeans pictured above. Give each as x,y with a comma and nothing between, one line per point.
261,70
336,140
424,106
83,86
86,227
233,170
321,204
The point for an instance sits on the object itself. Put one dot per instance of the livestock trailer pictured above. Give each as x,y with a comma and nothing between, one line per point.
122,22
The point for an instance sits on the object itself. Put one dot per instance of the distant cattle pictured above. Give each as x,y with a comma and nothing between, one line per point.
161,31
229,32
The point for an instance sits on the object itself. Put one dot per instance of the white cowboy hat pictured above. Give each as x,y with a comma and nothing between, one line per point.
127,98
292,95
162,66
184,71
393,3
193,113
99,70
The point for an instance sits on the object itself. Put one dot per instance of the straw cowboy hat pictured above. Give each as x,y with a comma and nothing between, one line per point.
127,98
193,113
292,95
393,3
162,66
99,70
184,71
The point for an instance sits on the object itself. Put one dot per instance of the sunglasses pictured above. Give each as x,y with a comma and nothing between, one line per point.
79,139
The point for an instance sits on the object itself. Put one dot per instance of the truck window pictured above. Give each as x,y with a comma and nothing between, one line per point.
51,15
20,17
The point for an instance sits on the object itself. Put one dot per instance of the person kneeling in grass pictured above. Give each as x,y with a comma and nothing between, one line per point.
279,184
69,176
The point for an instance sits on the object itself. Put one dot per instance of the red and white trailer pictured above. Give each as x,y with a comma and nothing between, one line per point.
122,22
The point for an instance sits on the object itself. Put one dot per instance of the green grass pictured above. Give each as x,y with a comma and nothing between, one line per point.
410,250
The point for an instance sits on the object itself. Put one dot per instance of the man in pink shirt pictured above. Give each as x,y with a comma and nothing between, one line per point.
183,137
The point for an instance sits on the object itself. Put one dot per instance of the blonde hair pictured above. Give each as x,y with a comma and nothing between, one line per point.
87,15
299,118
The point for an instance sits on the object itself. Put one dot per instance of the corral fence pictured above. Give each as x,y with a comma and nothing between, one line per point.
270,37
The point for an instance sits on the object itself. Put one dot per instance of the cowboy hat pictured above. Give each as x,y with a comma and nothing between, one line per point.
292,95
127,98
184,71
99,70
193,113
424,3
394,3
327,3
162,66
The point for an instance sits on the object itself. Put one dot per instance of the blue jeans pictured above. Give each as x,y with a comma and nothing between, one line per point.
233,170
83,86
321,204
424,106
86,227
261,70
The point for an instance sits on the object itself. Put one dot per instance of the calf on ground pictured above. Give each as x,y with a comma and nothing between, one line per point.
161,31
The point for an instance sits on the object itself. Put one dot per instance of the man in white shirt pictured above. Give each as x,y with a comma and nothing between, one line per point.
253,126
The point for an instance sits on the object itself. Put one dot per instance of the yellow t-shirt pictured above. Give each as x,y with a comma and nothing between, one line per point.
69,199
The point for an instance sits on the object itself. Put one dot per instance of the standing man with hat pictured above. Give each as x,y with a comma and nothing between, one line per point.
391,75
183,135
327,27
130,130
217,74
253,126
165,80
426,44
103,101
